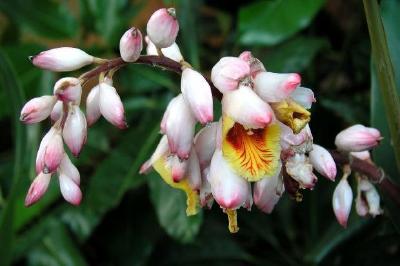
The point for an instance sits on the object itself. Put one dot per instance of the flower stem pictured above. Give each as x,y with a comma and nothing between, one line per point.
385,72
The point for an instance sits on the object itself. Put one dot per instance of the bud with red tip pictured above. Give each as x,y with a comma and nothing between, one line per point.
69,189
131,45
197,92
323,162
68,90
357,138
53,153
37,109
62,59
163,27
37,189
341,201
255,65
275,87
228,72
110,105
246,108
75,130
178,168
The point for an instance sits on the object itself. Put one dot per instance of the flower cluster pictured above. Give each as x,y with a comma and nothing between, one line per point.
261,145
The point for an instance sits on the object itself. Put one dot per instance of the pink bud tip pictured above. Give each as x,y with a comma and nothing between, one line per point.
145,168
163,27
293,82
37,189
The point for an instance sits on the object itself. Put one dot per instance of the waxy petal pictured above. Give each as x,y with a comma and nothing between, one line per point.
68,90
163,27
323,162
67,168
111,106
357,138
53,153
341,201
274,87
37,109
37,189
70,190
172,52
57,111
204,143
303,96
75,130
131,45
93,105
228,72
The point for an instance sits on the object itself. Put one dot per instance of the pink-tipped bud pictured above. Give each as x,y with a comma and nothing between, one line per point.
303,96
246,108
357,138
131,45
255,65
93,106
178,168
37,109
57,111
42,150
162,27
275,87
62,59
179,127
37,189
75,130
68,90
228,189
197,92
228,72
204,143
268,191
341,201
67,168
193,172
111,106
368,200
323,162
70,190
54,152
301,170
172,52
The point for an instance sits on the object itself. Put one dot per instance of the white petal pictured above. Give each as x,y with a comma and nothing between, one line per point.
111,106
70,190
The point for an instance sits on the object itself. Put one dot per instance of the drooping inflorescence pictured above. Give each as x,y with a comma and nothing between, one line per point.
261,145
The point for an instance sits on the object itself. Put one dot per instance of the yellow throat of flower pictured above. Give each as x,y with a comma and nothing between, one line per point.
291,114
192,198
252,153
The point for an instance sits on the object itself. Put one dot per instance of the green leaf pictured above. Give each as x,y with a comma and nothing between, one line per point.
170,206
45,18
294,55
383,154
270,22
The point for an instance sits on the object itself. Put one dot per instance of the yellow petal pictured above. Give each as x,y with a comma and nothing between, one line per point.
254,153
192,198
291,114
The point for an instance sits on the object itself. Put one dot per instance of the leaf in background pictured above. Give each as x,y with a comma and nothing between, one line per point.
270,22
46,18
294,55
9,83
170,206
55,248
383,154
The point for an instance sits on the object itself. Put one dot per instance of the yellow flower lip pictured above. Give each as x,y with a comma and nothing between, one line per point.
252,153
291,114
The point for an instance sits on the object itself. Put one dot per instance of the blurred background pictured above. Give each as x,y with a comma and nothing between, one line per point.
129,219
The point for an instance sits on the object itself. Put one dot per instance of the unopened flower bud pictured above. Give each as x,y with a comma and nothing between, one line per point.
368,200
341,201
37,109
275,87
68,90
93,106
228,72
291,114
255,65
197,92
303,96
246,108
179,127
163,27
70,190
172,52
301,170
37,189
53,153
131,45
42,150
67,168
204,143
228,189
75,130
268,191
357,138
57,111
62,59
111,106
323,162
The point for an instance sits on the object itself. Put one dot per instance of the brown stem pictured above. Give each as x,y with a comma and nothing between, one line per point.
374,174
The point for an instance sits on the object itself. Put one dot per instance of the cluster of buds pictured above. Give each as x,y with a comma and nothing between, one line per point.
355,142
261,145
